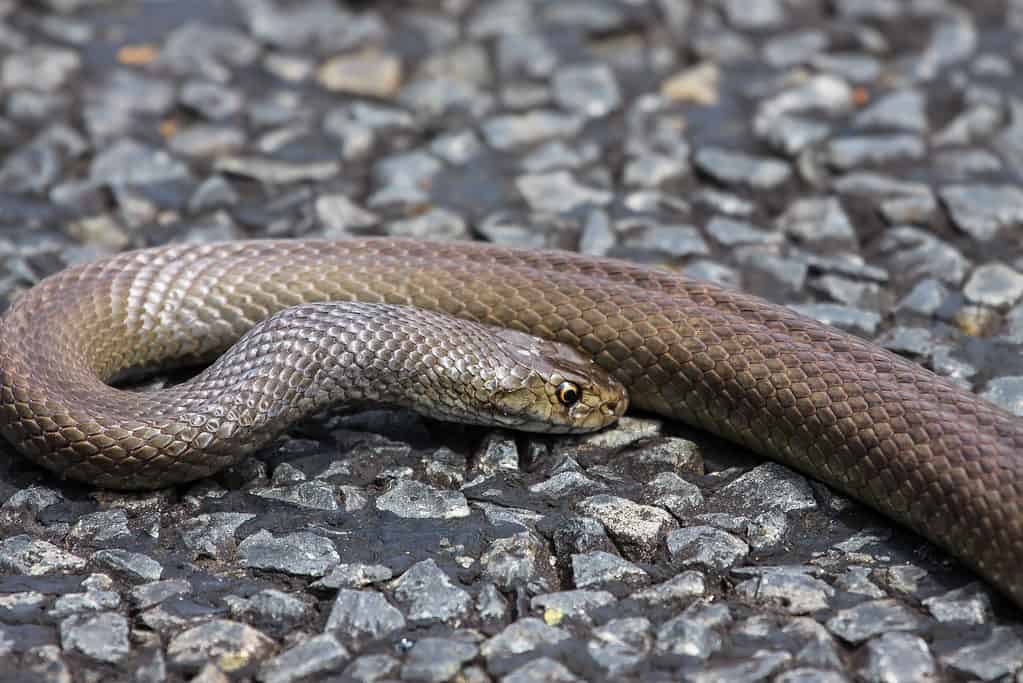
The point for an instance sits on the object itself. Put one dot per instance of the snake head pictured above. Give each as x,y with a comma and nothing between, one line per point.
557,389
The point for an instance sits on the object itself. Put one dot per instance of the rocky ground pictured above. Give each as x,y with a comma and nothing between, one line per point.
858,160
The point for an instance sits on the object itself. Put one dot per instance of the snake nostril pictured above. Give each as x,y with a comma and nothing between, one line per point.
611,407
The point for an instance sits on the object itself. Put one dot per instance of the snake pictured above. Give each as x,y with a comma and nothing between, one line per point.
873,425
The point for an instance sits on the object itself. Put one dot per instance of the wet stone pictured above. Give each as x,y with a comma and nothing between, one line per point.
994,284
363,614
997,655
212,535
315,655
133,566
982,211
301,553
590,90
103,637
437,659
411,499
898,657
736,168
637,529
522,636
220,639
866,620
705,547
429,596
598,569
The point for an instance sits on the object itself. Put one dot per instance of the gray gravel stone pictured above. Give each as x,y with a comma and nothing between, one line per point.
41,67
790,135
103,637
817,220
706,547
542,670
788,589
997,655
759,667
916,253
847,318
567,484
621,645
149,594
737,168
133,566
127,162
810,675
363,614
412,499
274,172
906,109
506,132
637,529
684,636
895,657
970,604
728,232
339,215
220,639
1006,392
925,298
573,604
270,606
524,635
982,211
315,655
771,486
437,659
868,619
100,527
369,72
590,90
862,150
558,191
429,596
212,535
310,495
674,494
516,560
435,223
994,284
78,603
301,553
674,240
599,569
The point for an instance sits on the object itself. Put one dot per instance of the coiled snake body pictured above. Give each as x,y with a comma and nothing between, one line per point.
874,425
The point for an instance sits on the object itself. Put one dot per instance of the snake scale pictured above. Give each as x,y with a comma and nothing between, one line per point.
874,425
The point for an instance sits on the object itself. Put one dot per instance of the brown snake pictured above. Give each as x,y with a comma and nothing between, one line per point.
872,424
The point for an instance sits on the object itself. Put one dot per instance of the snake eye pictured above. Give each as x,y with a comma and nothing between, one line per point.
568,393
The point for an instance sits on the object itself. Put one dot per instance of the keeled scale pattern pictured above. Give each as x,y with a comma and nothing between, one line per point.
874,425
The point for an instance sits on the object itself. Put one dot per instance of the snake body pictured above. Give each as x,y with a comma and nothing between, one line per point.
874,425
